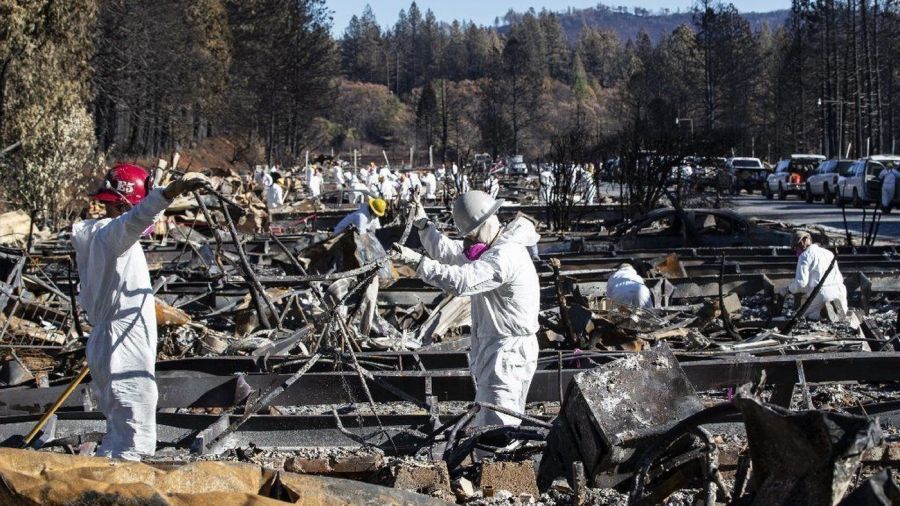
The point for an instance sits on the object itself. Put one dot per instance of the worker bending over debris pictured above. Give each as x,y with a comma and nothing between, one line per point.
365,219
275,194
117,297
811,266
626,286
492,266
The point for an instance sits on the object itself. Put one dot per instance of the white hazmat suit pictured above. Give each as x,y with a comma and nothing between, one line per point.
430,182
889,187
362,219
811,266
626,286
274,196
547,180
492,186
117,297
503,288
315,185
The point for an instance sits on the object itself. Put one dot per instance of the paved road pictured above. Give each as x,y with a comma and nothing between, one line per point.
794,210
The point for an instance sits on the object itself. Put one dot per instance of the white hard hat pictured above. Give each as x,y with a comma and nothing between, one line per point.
472,208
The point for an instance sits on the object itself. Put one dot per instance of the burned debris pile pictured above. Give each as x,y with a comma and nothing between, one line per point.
303,352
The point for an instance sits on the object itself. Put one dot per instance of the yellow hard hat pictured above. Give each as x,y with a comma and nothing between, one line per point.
378,206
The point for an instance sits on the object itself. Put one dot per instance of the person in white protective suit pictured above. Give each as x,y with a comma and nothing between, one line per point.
547,180
492,185
359,190
431,184
588,188
365,219
386,189
267,180
811,266
626,286
415,181
492,267
315,184
405,188
275,194
117,298
888,178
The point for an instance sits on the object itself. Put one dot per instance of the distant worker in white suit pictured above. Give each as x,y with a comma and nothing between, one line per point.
365,219
889,178
812,263
492,185
626,286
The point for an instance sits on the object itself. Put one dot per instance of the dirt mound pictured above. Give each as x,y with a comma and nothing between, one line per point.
219,154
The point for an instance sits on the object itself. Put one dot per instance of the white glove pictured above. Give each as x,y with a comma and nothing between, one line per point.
783,290
403,255
420,210
420,220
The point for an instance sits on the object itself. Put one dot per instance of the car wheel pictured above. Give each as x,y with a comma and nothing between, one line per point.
809,195
827,196
857,202
749,190
781,194
767,192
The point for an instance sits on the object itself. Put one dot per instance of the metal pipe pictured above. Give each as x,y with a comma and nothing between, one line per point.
257,291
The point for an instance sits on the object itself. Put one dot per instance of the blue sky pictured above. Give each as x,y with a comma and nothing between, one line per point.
484,11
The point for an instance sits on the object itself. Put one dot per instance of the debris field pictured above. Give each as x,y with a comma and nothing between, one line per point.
277,370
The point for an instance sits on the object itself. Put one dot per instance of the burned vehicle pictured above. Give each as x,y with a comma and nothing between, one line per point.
673,228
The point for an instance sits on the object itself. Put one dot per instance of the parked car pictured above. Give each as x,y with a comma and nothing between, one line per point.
516,165
824,182
746,174
668,228
790,176
862,184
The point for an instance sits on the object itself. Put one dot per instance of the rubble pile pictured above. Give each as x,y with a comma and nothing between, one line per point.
296,351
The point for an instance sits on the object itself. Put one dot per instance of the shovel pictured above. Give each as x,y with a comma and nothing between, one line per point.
50,412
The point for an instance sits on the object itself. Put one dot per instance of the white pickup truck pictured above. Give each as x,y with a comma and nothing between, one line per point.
823,184
862,184
790,176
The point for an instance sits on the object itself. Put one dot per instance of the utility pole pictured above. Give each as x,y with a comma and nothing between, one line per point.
840,121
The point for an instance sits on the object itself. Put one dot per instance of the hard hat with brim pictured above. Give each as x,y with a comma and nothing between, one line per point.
472,209
124,183
377,206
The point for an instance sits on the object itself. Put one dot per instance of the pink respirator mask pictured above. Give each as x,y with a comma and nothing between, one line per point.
473,251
